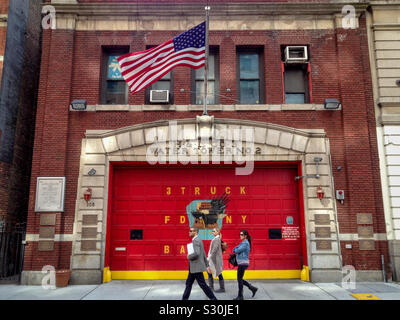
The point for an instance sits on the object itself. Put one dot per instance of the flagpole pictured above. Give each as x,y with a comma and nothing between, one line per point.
207,8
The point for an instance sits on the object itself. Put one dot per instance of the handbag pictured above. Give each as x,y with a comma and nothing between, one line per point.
224,246
232,260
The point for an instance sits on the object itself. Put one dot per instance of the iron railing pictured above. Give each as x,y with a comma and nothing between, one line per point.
12,237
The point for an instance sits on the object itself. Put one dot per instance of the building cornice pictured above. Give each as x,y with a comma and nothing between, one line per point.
194,9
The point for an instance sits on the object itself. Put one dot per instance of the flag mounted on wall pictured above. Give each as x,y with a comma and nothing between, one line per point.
141,69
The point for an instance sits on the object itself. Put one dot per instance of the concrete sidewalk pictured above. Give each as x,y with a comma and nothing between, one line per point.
173,290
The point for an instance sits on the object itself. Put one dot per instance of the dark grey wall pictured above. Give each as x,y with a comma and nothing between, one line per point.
18,101
12,73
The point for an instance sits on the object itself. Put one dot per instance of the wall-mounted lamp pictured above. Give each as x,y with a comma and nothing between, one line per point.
320,193
332,104
78,105
317,160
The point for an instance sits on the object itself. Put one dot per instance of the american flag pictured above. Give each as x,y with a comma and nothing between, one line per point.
141,69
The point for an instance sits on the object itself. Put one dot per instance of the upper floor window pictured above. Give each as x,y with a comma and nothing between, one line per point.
165,83
296,70
250,70
114,89
296,84
197,95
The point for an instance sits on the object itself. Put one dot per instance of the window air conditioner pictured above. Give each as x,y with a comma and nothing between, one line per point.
296,54
159,96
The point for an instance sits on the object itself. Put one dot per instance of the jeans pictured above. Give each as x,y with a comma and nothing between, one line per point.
240,273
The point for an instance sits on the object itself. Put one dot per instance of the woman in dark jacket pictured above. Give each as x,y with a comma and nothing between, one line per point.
242,256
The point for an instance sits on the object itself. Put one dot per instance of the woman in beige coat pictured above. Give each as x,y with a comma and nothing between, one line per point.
215,261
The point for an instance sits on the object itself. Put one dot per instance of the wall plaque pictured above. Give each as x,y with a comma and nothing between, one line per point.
47,219
322,219
364,218
50,194
88,245
324,245
45,245
89,219
46,232
322,232
365,231
366,244
89,232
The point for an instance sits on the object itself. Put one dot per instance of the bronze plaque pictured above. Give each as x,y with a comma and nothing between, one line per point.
322,219
364,218
365,232
366,244
89,232
46,245
88,245
322,232
324,245
47,232
88,219
47,219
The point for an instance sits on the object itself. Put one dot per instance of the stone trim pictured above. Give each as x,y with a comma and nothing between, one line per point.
191,10
58,237
215,108
356,237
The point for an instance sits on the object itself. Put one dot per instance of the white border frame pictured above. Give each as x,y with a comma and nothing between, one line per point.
60,208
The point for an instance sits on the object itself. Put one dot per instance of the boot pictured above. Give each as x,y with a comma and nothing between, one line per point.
253,289
238,298
211,283
221,286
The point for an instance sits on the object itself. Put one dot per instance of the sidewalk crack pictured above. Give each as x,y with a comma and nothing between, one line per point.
151,286
90,292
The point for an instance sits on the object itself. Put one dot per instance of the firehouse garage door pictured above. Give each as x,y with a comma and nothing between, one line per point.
152,209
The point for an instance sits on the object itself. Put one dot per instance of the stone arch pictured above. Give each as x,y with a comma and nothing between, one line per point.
274,143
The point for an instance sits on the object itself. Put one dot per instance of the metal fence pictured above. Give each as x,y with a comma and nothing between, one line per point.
11,250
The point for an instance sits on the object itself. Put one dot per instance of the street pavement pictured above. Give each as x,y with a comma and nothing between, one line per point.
173,290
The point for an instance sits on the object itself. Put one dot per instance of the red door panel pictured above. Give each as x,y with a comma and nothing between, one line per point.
154,200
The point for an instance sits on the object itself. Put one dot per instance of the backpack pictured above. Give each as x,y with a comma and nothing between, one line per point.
224,246
232,260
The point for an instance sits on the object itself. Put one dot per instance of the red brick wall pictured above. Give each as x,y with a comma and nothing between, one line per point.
4,4
339,69
58,258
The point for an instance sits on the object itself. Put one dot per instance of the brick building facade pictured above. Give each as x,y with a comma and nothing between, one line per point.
384,29
96,147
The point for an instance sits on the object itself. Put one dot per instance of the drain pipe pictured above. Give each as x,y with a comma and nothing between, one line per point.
383,268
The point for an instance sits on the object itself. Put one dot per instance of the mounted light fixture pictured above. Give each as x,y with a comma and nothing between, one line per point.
317,160
78,105
332,104
320,193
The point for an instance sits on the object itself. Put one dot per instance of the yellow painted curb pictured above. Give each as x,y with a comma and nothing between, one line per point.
228,274
365,296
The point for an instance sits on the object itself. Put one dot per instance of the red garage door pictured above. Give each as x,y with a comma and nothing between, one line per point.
151,215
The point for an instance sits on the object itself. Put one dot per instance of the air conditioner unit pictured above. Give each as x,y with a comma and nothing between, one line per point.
296,54
159,96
